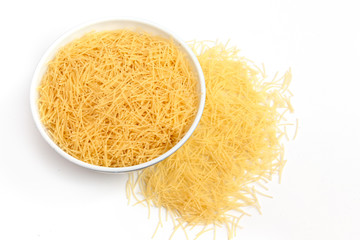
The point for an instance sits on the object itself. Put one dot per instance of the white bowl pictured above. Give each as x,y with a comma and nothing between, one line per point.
113,24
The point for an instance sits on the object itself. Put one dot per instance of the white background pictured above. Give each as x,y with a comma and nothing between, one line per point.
43,196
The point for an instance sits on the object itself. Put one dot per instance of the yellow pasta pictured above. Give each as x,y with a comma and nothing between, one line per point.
118,98
236,144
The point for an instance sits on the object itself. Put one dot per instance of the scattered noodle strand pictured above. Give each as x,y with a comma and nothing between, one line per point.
212,179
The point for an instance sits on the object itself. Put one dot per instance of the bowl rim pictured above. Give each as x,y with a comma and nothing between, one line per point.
55,45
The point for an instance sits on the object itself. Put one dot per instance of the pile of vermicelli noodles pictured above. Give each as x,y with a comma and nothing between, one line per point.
118,98
210,181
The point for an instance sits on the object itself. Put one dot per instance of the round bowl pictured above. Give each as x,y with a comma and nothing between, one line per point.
113,24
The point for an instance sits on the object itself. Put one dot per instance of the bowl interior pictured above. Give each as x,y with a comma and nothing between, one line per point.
113,24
